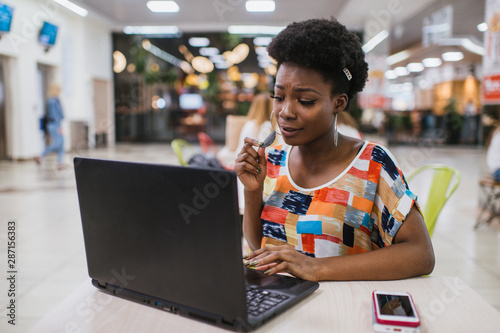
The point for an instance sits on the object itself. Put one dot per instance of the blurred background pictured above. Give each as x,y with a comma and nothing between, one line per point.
152,71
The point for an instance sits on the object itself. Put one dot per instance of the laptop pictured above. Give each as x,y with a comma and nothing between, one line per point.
170,237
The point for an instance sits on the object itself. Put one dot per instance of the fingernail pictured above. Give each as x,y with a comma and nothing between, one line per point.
259,170
267,272
260,143
246,262
254,263
246,256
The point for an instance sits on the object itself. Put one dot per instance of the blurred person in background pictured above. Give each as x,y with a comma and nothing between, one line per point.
257,125
53,129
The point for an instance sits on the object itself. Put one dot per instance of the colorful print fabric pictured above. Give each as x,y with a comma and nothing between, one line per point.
358,211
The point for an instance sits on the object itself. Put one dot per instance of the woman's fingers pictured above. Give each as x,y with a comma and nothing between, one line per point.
280,259
252,142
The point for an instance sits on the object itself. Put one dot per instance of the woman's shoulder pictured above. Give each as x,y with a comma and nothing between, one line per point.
377,151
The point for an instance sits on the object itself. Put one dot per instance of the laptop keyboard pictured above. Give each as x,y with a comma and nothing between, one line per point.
259,301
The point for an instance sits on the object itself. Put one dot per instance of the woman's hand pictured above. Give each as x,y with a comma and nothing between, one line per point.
251,165
277,259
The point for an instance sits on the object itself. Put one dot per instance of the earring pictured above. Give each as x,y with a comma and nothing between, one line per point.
272,125
336,134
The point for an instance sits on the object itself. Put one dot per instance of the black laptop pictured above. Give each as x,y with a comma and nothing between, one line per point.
170,237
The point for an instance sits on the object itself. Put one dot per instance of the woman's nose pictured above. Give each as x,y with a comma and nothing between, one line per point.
286,112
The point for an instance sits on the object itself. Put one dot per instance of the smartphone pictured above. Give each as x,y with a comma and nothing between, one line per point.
394,312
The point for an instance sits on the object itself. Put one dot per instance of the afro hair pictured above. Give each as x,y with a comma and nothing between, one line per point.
327,47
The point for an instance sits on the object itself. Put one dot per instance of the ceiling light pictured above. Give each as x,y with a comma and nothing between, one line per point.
377,39
260,50
151,30
401,71
163,6
262,41
74,8
119,62
432,62
209,51
482,27
254,29
199,41
452,56
238,54
398,57
415,67
202,64
260,6
390,75
217,58
222,65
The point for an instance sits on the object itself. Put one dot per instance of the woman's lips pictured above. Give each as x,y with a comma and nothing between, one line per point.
290,131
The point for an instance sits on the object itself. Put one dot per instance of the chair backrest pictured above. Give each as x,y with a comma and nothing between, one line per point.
234,125
179,146
207,144
443,183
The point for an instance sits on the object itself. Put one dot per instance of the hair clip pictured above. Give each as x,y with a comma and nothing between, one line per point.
348,74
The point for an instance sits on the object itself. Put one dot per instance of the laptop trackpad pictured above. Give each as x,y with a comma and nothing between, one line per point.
279,283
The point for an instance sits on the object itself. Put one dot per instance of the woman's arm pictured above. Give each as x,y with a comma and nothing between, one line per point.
251,168
252,227
411,254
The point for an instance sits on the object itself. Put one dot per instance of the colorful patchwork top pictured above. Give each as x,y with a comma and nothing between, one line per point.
358,211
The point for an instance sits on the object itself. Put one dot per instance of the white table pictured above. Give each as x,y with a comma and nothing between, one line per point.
444,305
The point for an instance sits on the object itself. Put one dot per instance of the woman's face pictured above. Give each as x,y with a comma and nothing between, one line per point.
303,105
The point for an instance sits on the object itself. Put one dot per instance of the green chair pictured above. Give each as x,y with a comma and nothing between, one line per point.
443,183
180,146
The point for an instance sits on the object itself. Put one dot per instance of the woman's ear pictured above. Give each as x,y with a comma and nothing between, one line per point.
340,102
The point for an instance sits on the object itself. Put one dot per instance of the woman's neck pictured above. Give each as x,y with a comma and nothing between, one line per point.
321,152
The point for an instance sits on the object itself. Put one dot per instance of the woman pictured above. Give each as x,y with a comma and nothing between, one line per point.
54,129
325,206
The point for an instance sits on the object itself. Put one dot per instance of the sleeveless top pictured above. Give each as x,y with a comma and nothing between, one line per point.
358,211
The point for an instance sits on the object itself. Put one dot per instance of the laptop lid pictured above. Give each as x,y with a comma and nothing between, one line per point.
169,232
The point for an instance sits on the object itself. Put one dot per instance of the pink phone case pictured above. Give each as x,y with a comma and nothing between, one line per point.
395,322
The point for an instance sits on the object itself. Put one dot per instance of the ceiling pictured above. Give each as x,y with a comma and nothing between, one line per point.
217,15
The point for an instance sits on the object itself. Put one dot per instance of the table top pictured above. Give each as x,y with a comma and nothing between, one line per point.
445,304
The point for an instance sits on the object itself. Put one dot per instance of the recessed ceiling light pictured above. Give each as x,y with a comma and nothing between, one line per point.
163,6
151,30
398,57
375,40
401,71
199,41
262,41
260,6
390,75
254,29
415,67
209,51
432,62
74,8
452,56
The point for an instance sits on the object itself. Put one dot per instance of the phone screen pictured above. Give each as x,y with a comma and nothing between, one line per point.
395,305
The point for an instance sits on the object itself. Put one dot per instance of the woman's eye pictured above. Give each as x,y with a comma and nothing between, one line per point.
277,98
307,102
